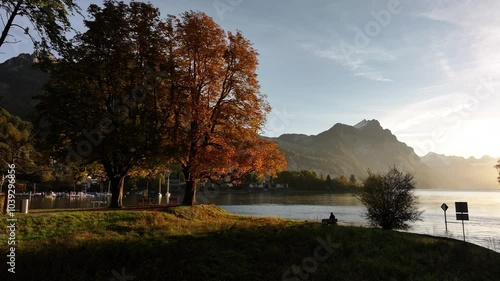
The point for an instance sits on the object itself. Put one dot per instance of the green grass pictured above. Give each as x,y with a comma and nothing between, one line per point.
206,243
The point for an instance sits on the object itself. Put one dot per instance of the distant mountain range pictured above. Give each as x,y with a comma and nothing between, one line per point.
341,150
346,150
463,173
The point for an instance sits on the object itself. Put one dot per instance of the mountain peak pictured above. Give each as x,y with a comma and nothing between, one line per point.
367,123
21,57
19,63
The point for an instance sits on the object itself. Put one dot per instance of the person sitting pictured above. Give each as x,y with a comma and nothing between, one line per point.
331,220
332,216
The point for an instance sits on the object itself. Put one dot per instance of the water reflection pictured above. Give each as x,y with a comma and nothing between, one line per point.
233,198
285,198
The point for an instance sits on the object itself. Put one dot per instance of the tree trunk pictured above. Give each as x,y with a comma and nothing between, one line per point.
3,203
190,192
117,192
1,184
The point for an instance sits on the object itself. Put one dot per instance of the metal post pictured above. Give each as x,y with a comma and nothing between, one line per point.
463,229
445,208
445,222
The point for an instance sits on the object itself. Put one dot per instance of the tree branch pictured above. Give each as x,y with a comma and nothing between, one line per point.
9,22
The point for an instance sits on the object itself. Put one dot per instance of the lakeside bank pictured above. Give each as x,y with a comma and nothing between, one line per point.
207,243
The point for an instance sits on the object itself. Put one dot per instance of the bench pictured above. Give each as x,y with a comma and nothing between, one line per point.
328,221
145,201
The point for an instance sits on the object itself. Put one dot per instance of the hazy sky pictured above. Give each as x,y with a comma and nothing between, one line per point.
427,70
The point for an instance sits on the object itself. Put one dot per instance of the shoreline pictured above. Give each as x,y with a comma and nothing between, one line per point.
185,243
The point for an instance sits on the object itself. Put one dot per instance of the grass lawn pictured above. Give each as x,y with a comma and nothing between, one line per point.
206,243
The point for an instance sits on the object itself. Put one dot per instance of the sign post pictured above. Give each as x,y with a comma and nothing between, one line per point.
445,207
462,210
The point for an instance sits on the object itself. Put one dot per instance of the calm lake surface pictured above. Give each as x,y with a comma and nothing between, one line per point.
483,228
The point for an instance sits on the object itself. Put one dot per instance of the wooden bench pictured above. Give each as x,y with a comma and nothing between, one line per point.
145,201
328,221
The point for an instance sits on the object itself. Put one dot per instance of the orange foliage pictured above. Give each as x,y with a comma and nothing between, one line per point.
219,107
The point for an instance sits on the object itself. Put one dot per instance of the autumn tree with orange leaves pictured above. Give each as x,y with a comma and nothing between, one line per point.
156,93
220,109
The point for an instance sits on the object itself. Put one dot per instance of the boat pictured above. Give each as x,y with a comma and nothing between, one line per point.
99,194
90,195
76,195
50,195
60,194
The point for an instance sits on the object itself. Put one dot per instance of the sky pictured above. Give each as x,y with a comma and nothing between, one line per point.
429,71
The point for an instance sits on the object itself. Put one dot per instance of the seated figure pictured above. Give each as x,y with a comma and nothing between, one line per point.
332,216
330,220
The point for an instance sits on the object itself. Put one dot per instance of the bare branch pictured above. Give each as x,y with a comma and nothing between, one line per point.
10,21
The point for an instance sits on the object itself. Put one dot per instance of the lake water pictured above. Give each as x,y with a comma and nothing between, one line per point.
483,228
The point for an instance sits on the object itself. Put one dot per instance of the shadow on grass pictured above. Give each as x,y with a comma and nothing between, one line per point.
247,249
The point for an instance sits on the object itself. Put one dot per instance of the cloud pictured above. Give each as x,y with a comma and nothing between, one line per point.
467,38
356,60
419,116
458,107
442,122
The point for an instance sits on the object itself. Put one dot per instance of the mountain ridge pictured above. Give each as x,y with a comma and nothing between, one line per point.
345,149
341,150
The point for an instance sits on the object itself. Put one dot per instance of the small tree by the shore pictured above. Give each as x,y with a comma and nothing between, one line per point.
389,199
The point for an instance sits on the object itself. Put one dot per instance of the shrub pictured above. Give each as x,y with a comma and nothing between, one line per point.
389,199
